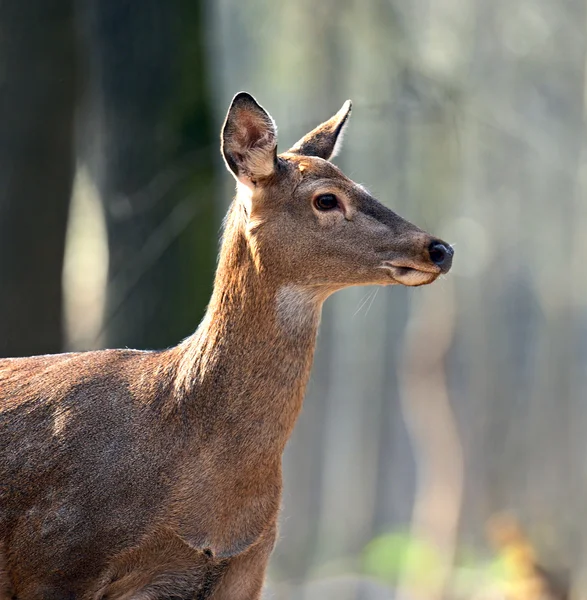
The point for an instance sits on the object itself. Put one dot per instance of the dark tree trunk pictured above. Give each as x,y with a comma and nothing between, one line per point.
152,162
37,102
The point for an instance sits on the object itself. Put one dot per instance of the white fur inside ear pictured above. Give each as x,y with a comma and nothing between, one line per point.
338,143
260,160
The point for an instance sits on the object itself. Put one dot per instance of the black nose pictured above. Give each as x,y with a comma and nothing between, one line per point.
441,255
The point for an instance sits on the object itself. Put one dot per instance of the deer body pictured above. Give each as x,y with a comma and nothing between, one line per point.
130,474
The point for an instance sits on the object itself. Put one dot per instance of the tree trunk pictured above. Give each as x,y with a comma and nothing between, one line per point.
151,160
37,102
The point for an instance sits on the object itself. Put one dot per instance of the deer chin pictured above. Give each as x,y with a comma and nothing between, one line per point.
410,276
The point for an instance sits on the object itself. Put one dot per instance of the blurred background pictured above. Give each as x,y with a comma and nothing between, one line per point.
442,451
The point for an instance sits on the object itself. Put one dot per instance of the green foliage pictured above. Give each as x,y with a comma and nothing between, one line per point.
392,554
420,564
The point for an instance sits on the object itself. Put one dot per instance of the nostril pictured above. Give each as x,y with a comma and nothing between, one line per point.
439,253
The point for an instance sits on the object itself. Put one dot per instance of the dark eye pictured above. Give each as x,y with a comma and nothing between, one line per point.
326,202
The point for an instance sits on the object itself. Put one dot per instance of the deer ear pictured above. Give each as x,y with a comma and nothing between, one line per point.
249,140
324,141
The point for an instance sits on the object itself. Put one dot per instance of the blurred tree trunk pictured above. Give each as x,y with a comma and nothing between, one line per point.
37,102
148,115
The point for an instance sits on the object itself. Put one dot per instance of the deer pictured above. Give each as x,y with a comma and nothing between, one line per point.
149,475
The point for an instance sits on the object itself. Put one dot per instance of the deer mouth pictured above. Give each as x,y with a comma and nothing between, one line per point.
410,274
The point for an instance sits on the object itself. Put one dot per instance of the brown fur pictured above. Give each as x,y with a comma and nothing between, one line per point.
129,474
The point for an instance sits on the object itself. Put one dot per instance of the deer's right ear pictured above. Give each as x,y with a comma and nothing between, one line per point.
249,140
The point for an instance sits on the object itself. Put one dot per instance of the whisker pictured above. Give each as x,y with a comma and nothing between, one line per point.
362,303
371,296
372,300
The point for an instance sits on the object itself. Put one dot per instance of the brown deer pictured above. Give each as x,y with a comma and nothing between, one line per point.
157,475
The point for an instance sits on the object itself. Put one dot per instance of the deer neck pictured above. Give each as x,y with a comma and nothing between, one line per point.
248,363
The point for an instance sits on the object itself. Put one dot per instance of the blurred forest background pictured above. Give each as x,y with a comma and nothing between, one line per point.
442,451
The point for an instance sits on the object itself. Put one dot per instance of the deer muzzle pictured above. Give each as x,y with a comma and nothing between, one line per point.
434,261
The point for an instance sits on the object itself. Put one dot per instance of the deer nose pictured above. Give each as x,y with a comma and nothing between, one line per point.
441,255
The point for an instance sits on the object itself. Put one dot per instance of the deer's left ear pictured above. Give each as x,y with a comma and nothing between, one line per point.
324,141
249,140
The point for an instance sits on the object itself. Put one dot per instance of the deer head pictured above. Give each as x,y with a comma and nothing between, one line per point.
310,225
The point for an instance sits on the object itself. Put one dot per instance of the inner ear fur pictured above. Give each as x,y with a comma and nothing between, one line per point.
249,140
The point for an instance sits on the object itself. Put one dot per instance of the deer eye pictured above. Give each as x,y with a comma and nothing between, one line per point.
326,202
